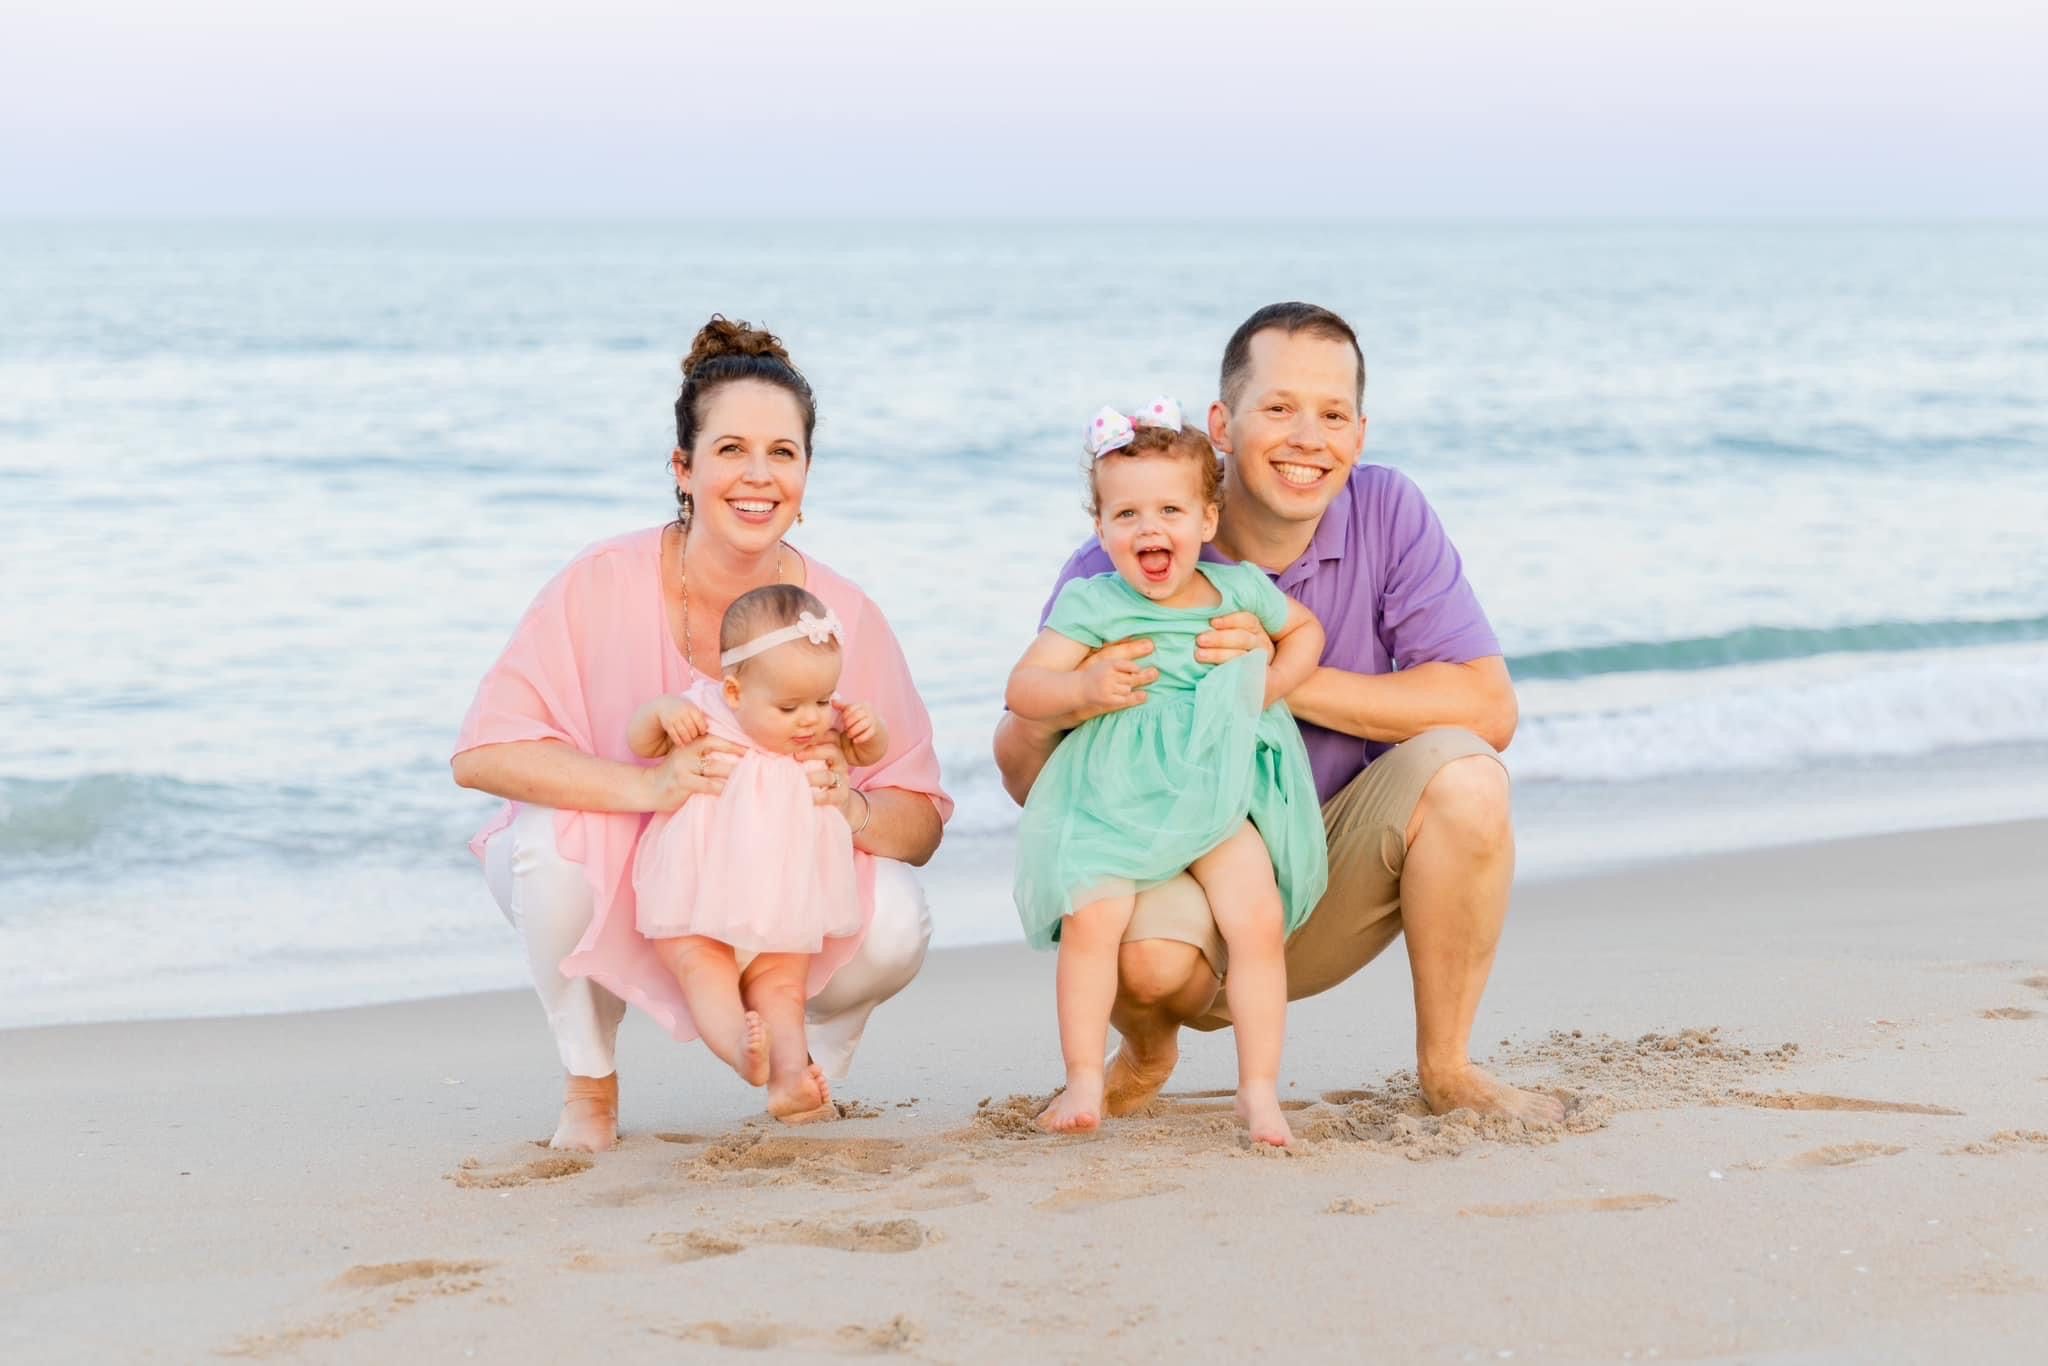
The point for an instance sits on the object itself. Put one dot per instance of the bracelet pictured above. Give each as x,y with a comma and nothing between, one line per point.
867,809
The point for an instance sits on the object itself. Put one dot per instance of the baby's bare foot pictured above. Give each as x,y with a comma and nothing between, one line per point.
1259,1108
590,1115
804,1098
753,1064
1075,1110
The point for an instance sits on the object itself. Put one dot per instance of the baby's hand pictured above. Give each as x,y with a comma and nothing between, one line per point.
867,741
681,721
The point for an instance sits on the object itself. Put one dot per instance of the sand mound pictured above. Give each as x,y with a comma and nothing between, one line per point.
1652,1071
2005,1141
1397,1122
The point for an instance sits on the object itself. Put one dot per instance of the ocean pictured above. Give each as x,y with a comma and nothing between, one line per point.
1757,512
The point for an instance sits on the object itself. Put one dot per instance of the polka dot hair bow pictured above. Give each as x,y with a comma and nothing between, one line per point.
1112,431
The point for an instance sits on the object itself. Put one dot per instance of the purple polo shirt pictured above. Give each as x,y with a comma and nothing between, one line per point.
1388,587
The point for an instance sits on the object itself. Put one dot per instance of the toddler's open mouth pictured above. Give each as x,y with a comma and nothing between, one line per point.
1155,564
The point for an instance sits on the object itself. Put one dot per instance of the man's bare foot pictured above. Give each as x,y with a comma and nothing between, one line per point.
1137,1073
804,1098
590,1115
1468,1088
1077,1109
753,1062
1259,1108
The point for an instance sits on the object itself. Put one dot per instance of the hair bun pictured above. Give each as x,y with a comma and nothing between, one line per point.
723,336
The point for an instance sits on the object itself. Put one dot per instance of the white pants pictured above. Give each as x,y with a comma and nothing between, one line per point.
549,903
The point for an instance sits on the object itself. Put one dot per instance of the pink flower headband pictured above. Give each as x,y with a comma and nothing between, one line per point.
816,630
1112,430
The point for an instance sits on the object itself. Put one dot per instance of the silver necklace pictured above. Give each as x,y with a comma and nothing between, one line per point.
683,581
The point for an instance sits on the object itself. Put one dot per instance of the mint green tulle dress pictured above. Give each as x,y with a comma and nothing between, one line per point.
1132,798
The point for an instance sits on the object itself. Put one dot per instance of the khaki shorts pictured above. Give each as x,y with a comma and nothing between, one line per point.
1360,913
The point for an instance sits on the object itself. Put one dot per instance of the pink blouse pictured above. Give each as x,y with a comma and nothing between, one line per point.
591,649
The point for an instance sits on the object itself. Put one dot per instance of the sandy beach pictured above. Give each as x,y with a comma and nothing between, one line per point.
1809,1122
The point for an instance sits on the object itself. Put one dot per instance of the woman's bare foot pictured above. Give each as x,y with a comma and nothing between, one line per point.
1468,1088
1077,1109
803,1098
753,1060
1259,1108
590,1115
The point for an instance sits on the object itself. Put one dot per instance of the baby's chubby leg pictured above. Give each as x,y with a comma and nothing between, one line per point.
710,978
1089,939
773,985
1237,876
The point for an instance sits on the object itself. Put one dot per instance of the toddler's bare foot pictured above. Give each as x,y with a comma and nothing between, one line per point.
804,1098
1075,1110
590,1115
1260,1110
753,1063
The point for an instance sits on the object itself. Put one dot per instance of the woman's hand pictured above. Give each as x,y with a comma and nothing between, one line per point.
703,765
1238,633
825,762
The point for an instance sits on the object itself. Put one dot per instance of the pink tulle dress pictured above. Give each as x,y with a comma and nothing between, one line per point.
761,866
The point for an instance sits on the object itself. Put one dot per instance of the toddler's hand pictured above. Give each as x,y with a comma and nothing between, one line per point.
1113,679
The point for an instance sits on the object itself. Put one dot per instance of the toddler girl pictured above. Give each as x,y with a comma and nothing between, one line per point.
738,891
1206,774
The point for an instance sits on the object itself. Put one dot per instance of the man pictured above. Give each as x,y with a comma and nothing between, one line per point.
1404,722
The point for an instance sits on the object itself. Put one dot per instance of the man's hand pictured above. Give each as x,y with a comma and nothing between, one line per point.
1112,679
1238,633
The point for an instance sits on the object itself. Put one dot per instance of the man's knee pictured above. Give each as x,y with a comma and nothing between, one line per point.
1470,799
1151,972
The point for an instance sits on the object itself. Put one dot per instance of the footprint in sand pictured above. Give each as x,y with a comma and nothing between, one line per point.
473,1175
945,1191
1092,1194
899,1334
1810,1100
1839,1155
1591,1204
377,1275
407,1283
861,1235
1346,1205
694,1246
758,1158
2009,1013
2039,981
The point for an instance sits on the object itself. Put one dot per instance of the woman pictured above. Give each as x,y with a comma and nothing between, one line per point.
636,617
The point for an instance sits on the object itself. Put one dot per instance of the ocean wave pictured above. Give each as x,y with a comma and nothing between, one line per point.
1781,718
104,823
1775,715
1766,644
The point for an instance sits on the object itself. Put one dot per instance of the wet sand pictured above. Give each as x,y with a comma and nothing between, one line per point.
1808,1121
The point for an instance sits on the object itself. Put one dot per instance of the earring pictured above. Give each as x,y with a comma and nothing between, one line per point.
799,516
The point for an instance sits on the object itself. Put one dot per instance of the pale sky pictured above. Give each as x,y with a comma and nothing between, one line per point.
1123,109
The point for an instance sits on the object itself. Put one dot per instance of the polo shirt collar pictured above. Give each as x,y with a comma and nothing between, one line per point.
1332,541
